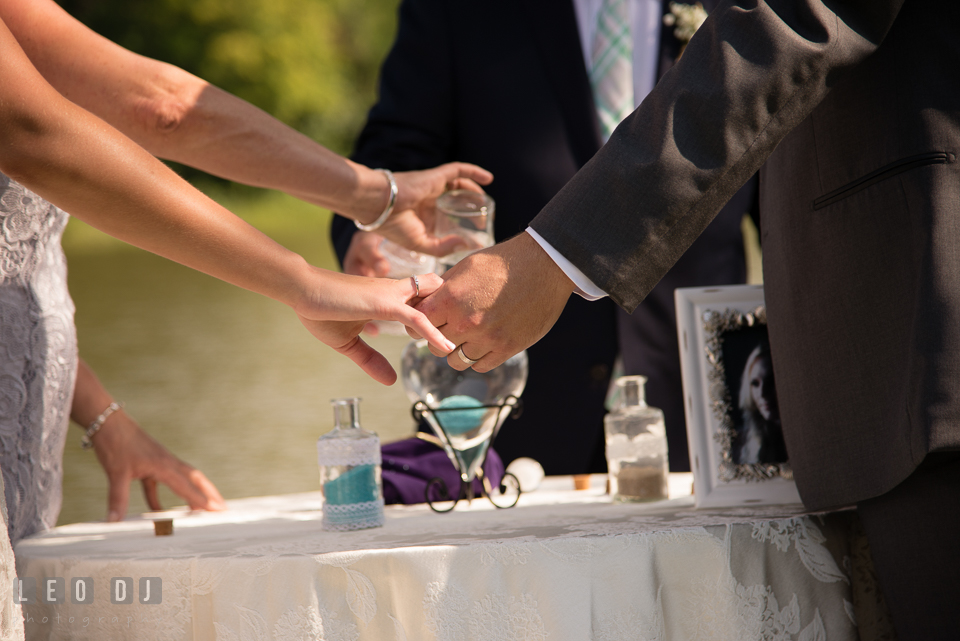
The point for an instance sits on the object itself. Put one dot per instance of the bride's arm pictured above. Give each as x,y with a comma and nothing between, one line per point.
177,116
78,162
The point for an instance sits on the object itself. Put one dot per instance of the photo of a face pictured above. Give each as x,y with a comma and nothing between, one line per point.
754,412
758,391
733,413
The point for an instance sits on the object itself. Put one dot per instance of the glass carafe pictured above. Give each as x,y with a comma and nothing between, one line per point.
636,441
349,458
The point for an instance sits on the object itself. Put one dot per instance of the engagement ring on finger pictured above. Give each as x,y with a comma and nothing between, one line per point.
463,357
416,283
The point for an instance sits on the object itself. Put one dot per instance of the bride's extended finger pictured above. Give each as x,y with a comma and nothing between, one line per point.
370,361
416,320
437,351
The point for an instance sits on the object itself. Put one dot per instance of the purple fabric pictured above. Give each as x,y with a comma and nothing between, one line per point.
409,465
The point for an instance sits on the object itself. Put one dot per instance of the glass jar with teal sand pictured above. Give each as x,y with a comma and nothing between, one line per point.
349,458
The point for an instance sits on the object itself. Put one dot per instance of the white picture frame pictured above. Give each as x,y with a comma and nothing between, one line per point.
717,328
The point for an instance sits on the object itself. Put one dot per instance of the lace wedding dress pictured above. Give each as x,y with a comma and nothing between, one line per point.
38,358
11,616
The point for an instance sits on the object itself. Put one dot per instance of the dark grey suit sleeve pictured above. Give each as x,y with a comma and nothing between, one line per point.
752,73
410,126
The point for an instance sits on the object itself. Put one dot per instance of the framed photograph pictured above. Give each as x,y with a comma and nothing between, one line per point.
737,450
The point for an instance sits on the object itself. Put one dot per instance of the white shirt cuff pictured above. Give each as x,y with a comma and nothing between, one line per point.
585,286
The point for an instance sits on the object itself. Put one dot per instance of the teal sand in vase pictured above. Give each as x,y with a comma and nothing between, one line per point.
460,415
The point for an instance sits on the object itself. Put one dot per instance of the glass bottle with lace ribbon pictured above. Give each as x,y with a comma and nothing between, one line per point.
349,458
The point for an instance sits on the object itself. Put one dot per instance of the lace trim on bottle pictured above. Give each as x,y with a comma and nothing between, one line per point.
353,516
350,452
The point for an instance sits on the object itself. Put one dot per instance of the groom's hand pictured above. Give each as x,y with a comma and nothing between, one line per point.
497,302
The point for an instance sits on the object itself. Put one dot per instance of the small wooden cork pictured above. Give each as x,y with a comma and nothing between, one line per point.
163,527
581,481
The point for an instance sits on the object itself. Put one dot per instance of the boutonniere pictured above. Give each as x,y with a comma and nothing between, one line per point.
685,19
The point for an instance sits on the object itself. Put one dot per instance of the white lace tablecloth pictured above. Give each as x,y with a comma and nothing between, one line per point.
561,565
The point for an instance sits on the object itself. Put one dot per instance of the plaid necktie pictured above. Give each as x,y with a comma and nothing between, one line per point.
611,73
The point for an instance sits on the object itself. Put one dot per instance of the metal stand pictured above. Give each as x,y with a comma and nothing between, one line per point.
505,495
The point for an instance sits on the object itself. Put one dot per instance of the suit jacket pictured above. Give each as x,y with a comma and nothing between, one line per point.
855,107
502,83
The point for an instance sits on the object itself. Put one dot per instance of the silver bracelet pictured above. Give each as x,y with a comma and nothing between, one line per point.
98,422
386,212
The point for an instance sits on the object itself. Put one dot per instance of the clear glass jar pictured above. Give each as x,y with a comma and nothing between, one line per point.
636,442
349,458
466,214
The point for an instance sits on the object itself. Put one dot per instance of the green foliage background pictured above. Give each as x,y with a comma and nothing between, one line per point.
311,63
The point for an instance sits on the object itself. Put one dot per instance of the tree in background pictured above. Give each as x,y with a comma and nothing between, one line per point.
310,63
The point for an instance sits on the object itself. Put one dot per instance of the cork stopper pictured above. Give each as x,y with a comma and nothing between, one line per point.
163,527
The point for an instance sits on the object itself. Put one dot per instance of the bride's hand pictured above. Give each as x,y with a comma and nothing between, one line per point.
355,301
412,222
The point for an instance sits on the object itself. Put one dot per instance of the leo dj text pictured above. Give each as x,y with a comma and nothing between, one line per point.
53,590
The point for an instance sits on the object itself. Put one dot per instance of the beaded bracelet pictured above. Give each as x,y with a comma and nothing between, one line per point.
85,441
386,212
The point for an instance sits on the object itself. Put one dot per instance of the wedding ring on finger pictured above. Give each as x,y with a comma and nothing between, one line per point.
463,357
416,284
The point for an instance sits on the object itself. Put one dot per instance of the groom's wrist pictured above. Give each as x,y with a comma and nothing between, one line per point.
583,286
